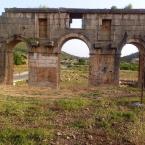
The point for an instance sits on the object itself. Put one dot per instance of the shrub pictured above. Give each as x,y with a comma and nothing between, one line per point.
20,54
129,66
19,58
25,136
72,104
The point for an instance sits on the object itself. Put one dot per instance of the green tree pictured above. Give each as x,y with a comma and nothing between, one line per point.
43,6
19,58
129,6
20,54
114,7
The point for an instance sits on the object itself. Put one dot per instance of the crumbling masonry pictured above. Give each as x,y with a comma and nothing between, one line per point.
105,32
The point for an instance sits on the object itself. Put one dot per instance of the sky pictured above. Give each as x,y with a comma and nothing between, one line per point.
81,48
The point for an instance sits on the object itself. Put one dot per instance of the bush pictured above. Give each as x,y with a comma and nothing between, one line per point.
19,58
82,61
25,136
129,66
20,54
72,104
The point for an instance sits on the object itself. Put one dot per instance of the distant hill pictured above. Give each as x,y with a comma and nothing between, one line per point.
65,56
69,60
131,57
128,58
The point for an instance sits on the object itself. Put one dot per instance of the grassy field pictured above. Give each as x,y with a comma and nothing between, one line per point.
79,75
128,75
74,77
20,68
103,116
72,115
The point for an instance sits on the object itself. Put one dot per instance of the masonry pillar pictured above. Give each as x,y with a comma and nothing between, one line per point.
102,69
6,65
9,67
141,76
2,65
43,67
116,67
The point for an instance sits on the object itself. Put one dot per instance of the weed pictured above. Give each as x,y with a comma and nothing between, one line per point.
72,104
93,94
122,116
78,124
82,123
27,120
24,137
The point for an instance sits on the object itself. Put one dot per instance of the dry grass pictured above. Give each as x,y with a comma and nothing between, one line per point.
74,78
20,68
44,116
71,115
128,75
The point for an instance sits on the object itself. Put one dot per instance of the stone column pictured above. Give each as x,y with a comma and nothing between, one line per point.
116,67
6,65
2,65
43,67
141,70
102,68
9,67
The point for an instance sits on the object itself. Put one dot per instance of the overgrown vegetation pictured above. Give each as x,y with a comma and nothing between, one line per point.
90,117
129,66
74,76
128,75
72,104
75,114
20,54
69,61
129,6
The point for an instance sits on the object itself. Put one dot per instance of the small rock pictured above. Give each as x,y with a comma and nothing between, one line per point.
68,138
90,126
137,104
59,133
52,143
73,136
87,109
90,137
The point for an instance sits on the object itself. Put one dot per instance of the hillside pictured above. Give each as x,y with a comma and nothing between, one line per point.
128,58
131,57
65,56
68,60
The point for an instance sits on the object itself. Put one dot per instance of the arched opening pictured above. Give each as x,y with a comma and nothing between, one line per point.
130,65
17,63
20,62
74,64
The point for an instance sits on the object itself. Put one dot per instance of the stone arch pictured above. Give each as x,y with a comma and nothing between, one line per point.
140,44
67,37
14,40
64,39
9,47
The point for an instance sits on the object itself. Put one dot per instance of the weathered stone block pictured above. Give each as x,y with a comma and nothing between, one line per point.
103,30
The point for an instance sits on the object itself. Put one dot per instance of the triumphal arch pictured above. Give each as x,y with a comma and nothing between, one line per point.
45,30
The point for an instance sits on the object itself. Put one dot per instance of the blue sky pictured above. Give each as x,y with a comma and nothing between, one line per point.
75,4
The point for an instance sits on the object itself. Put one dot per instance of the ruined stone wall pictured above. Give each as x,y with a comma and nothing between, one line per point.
17,24
46,30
